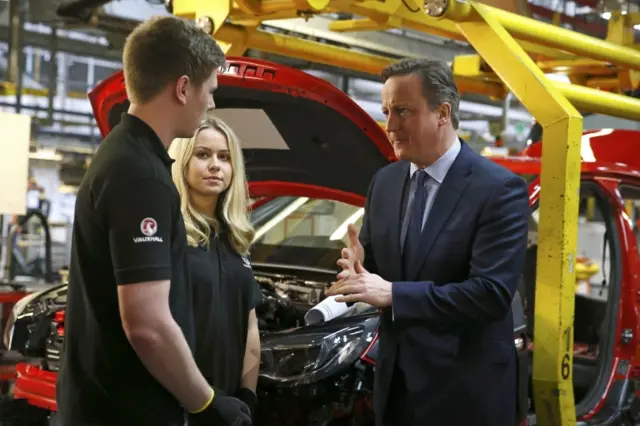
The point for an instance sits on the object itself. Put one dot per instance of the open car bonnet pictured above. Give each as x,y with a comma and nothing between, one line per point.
300,134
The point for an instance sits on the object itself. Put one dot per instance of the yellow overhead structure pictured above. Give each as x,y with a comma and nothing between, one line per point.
514,54
470,77
472,68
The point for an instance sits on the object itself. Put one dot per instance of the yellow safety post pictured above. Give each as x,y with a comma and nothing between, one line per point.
560,182
628,207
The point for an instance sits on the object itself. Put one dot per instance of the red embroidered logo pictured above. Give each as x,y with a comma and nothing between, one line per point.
148,226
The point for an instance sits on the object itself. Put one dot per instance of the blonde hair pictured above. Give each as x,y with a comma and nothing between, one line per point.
232,206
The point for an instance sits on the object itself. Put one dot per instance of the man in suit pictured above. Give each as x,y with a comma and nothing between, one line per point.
440,250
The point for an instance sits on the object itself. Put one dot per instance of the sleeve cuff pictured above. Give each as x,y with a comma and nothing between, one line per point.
143,274
406,298
393,311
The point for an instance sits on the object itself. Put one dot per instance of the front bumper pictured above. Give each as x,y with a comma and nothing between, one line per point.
36,386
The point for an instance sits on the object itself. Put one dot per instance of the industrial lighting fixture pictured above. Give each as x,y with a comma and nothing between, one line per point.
295,205
435,8
338,234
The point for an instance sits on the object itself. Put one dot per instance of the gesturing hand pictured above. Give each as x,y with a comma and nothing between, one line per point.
362,286
350,255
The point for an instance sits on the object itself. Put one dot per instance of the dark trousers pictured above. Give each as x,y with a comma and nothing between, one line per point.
398,411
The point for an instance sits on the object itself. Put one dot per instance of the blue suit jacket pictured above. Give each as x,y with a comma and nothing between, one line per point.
451,332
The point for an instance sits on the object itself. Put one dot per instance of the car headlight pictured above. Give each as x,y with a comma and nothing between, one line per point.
7,336
309,354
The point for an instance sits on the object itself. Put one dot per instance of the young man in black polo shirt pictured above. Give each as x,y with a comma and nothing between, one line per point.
129,329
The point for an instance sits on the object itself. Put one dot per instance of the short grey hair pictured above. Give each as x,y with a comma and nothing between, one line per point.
438,84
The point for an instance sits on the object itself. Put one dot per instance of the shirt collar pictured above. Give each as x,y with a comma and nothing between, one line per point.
439,168
140,128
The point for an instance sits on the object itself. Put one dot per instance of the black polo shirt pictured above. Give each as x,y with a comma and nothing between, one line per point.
225,291
127,229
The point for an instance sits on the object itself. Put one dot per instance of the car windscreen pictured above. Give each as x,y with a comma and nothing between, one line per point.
302,231
305,231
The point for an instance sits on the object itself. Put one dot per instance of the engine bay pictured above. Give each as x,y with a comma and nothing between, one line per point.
286,298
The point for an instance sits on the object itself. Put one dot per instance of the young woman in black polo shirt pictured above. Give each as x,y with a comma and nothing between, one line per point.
210,176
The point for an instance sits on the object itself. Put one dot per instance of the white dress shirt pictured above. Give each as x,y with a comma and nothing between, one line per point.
436,173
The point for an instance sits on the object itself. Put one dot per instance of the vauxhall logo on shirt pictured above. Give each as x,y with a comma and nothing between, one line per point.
148,227
246,262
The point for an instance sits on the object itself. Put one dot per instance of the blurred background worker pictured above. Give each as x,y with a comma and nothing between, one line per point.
35,200
210,176
129,330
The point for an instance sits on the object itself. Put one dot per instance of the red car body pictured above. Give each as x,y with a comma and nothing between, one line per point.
610,159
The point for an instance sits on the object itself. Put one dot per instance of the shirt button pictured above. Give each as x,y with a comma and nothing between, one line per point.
224,257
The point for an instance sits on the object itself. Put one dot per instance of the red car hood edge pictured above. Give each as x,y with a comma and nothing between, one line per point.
327,133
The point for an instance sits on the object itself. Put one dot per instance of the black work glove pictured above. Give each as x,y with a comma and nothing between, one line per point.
223,411
249,397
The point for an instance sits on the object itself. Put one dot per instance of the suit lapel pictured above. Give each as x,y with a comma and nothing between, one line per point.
447,197
395,189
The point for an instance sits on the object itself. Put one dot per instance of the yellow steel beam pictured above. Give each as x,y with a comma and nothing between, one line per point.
584,72
417,20
529,29
560,181
629,79
335,56
494,90
539,39
363,25
305,49
593,100
577,65
611,83
379,15
467,76
523,28
467,68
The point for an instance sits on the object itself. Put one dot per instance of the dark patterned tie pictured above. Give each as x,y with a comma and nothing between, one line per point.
414,230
